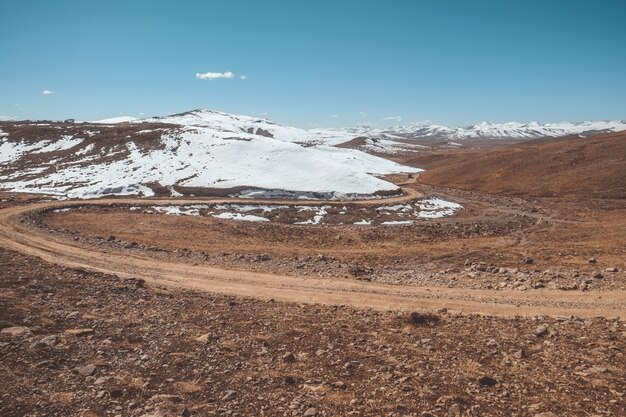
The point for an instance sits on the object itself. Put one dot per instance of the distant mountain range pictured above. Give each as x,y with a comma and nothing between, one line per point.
484,130
512,130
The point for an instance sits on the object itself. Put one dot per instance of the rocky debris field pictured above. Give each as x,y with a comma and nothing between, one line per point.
73,342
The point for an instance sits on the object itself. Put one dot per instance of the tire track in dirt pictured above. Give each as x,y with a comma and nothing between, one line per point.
19,237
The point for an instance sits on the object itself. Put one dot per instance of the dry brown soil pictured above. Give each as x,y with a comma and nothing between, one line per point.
316,320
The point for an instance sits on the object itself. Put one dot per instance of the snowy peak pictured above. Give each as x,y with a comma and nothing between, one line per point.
510,130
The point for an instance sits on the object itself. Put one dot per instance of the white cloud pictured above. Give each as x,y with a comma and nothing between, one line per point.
394,118
47,92
214,75
4,118
244,77
334,116
362,113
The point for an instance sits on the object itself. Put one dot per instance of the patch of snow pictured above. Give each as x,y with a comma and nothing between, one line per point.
174,193
66,142
87,149
398,207
242,208
241,217
397,222
193,210
319,216
116,120
434,208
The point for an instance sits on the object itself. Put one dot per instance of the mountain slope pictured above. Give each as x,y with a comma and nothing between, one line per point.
585,167
199,152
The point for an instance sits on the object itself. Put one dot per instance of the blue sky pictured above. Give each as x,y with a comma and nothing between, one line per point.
308,63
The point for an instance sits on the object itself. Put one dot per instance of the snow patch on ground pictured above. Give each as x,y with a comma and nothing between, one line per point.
180,210
318,217
66,142
434,208
241,217
242,208
398,222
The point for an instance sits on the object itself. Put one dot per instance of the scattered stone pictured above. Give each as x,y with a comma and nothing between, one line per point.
289,357
454,410
86,370
612,269
338,385
102,380
230,394
546,414
15,331
78,332
487,381
419,319
528,260
116,393
156,413
598,275
49,341
203,339
542,330
310,412
592,260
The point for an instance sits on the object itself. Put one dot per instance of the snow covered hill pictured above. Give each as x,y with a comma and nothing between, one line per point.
194,153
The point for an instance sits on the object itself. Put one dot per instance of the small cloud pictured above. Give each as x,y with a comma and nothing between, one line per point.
362,113
4,118
334,116
213,75
141,114
47,92
243,77
394,118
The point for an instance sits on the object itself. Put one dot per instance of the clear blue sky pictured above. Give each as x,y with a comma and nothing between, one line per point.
450,62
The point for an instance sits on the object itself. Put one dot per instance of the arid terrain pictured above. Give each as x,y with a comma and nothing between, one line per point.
512,305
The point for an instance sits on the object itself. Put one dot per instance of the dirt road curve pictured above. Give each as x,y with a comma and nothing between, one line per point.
16,236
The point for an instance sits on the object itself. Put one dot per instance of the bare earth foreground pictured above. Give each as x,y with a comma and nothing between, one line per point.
108,311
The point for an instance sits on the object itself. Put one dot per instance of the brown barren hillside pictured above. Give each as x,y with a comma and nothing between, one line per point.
573,166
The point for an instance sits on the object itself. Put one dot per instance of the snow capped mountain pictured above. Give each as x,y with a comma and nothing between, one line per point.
510,130
200,152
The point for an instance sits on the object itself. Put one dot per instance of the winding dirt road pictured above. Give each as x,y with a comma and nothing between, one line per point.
20,237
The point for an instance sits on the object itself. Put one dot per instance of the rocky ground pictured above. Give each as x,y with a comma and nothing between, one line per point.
494,242
80,343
